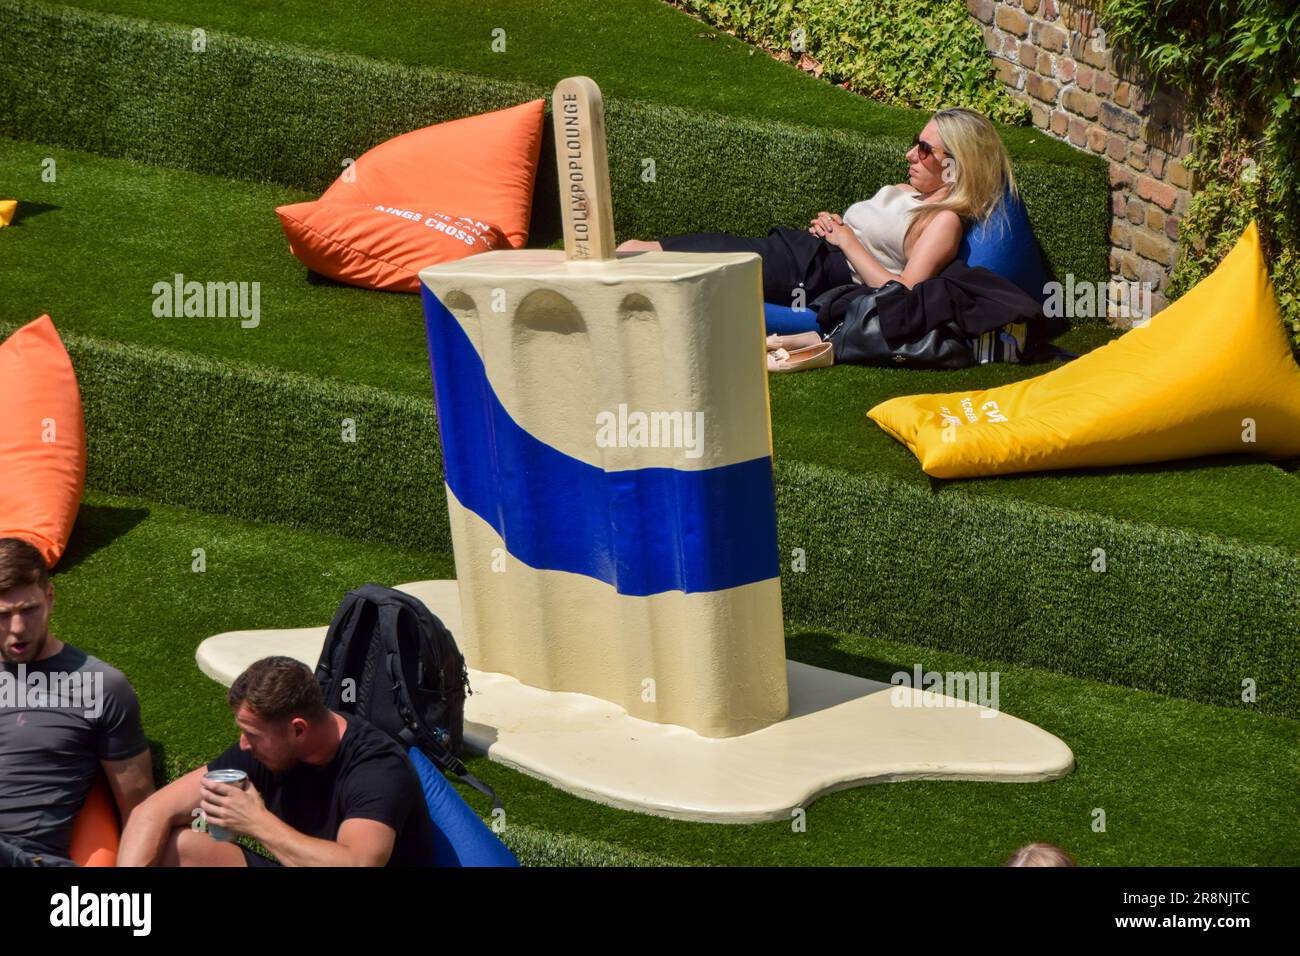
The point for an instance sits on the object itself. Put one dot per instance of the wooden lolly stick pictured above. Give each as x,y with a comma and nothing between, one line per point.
578,113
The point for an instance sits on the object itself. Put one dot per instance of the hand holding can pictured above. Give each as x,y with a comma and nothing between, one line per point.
234,778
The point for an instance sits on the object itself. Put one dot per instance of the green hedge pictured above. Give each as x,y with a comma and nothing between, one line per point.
259,445
273,112
916,53
1182,614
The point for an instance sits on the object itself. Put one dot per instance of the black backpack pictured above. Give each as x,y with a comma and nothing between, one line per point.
390,661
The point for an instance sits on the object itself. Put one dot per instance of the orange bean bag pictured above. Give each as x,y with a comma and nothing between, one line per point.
432,195
42,441
380,247
96,833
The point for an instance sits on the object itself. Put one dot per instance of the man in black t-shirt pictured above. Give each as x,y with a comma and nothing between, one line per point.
324,789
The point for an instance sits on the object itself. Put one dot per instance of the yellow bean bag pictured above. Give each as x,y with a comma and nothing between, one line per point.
1211,374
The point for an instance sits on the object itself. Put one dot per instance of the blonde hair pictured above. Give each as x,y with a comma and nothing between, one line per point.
1040,854
982,168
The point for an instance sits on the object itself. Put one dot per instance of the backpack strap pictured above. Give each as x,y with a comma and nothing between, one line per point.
414,733
445,761
338,646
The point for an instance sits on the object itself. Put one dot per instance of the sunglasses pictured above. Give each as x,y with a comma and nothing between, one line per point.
925,148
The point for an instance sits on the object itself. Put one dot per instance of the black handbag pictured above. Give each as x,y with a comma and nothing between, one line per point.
850,319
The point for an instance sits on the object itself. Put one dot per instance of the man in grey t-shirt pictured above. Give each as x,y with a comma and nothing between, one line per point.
65,717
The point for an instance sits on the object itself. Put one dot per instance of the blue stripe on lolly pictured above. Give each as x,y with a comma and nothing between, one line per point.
643,531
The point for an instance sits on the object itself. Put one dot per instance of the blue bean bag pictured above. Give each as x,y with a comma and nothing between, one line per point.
460,837
1004,243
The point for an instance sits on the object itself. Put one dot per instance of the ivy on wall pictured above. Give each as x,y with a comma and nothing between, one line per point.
925,54
1238,61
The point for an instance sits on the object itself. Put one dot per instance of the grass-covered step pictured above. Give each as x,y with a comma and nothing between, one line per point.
635,49
1189,614
1171,782
261,445
142,585
820,419
90,247
278,111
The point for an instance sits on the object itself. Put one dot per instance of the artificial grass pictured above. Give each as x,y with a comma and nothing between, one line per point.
249,423
1167,614
181,429
126,591
273,112
1186,614
149,225
821,420
635,49
92,244
1180,783
1168,773
1190,615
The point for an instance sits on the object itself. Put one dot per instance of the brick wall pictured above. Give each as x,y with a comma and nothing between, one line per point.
1054,55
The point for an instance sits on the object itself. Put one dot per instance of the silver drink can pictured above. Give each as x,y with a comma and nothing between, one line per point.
235,778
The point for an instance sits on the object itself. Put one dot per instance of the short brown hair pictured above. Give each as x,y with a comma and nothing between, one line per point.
278,689
1040,854
21,564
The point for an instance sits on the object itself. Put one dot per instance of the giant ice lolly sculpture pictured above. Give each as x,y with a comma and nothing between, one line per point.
607,445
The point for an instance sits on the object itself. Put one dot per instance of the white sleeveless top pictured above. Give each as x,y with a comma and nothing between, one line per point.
880,223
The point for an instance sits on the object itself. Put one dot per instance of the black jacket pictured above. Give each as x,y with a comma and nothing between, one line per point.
973,298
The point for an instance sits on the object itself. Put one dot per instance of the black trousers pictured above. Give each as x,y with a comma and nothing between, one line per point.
17,852
791,258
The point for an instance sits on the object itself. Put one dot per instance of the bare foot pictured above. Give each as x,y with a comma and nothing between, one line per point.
640,245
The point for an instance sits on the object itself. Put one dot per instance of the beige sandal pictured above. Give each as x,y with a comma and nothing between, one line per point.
791,343
821,355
